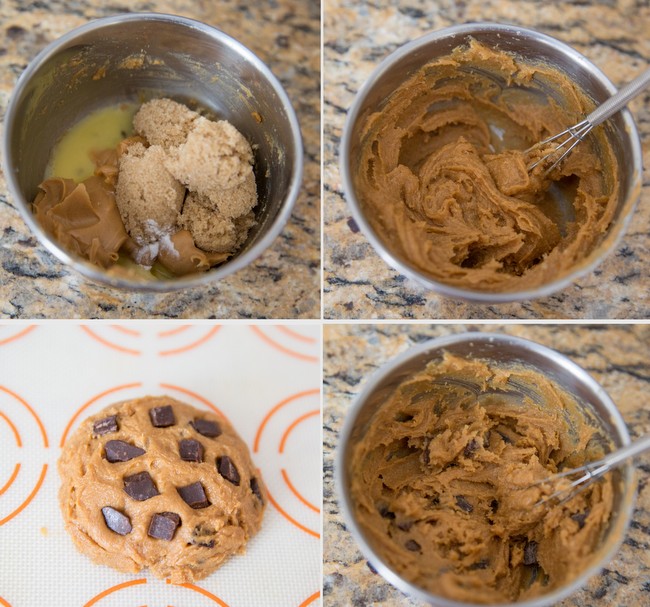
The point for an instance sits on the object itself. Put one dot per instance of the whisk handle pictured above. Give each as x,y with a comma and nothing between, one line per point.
620,455
619,99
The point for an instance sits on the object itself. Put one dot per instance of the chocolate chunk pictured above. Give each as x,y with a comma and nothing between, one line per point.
482,564
463,504
530,553
194,495
116,521
413,546
119,451
190,450
384,512
140,486
162,417
580,518
105,426
163,525
471,448
209,544
206,427
227,469
255,488
405,525
494,505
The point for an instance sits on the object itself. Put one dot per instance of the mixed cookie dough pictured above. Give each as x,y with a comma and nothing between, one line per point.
183,191
156,483
441,482
443,181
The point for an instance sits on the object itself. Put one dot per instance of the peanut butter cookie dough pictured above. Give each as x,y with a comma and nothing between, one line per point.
155,483
443,179
441,482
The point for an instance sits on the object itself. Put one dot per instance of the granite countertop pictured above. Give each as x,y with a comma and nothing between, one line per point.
285,281
358,35
616,356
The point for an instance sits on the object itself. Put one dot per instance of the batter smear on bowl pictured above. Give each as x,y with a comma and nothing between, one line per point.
442,482
177,197
442,175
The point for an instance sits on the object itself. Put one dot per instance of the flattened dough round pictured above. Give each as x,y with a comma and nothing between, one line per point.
207,534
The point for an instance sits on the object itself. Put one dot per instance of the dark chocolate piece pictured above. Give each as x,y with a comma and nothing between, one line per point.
463,504
140,486
162,417
116,521
227,469
206,427
384,512
482,564
255,488
190,450
405,525
413,546
530,553
494,505
105,426
119,451
209,544
194,495
471,448
580,518
163,525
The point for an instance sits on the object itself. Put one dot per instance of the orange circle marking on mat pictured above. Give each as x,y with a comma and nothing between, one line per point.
4,603
113,589
282,348
170,332
290,518
310,599
110,344
23,402
30,497
296,335
13,429
293,425
126,330
18,335
204,592
12,478
275,409
90,402
293,490
211,333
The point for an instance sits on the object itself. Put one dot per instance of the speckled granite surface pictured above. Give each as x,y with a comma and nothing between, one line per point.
358,35
616,356
285,281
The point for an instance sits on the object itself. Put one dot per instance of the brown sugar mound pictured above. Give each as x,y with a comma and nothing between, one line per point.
164,122
148,197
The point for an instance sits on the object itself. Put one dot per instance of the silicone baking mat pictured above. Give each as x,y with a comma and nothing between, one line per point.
264,378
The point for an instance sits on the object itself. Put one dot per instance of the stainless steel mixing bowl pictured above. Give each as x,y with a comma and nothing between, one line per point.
501,350
529,45
141,56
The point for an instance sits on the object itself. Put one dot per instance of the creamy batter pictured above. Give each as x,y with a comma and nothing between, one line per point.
443,181
441,482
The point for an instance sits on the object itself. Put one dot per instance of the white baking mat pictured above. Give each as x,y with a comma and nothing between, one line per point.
264,378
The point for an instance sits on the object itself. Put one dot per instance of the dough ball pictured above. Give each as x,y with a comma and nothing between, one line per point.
156,483
147,195
164,122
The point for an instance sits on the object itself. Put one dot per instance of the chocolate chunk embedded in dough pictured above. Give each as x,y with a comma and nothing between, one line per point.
116,521
120,451
194,496
140,486
530,553
190,450
228,470
255,488
463,504
413,546
163,525
206,427
162,417
106,425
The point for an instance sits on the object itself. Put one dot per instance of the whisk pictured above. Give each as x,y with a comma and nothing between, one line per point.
575,134
591,472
